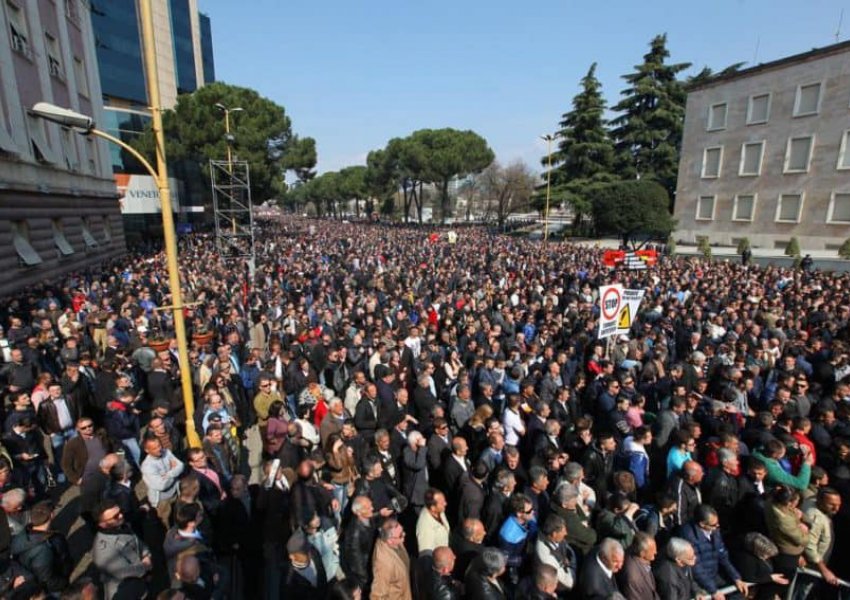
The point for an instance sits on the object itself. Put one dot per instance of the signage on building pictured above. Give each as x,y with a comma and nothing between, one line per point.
139,195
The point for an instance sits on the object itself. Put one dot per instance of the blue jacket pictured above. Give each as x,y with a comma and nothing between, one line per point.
513,538
711,557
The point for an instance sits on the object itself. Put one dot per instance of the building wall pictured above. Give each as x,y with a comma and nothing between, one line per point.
51,179
816,185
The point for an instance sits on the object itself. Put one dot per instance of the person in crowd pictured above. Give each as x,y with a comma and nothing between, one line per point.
390,564
597,579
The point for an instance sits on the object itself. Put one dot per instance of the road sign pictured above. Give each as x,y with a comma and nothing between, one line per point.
610,300
624,321
630,304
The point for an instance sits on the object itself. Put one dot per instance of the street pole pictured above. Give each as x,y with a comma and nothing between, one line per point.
548,138
168,221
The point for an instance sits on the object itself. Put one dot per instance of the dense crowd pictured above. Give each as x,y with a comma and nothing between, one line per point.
386,413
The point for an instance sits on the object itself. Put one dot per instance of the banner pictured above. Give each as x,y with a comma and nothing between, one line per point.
638,260
139,194
610,303
630,304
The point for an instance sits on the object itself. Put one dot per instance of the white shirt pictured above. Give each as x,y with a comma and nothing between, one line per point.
608,572
63,414
460,460
514,427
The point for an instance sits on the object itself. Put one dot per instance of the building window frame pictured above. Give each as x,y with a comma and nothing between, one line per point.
19,36
107,230
63,246
88,237
750,120
799,96
801,196
54,56
811,138
703,171
42,152
736,217
741,172
700,199
27,255
844,152
830,219
710,124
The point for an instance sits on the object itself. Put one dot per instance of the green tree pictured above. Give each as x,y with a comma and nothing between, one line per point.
301,158
262,134
844,250
506,190
352,186
793,247
585,154
630,209
704,247
449,153
648,132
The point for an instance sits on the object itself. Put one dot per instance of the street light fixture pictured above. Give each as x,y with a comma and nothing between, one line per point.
549,138
85,125
227,135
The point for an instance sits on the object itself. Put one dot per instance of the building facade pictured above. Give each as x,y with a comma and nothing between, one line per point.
766,154
185,62
59,209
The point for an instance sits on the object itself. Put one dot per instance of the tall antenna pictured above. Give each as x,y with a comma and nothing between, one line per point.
756,53
838,30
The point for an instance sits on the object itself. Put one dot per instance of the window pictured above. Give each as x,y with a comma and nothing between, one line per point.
758,109
711,160
91,155
789,208
107,230
18,29
62,245
54,62
839,208
80,76
88,238
705,208
808,100
71,11
69,150
844,151
21,241
744,208
40,149
751,155
798,154
717,117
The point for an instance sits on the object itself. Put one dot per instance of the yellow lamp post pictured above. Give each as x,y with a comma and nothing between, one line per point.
85,124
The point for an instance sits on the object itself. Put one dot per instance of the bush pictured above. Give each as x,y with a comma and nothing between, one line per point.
793,247
743,245
844,250
671,245
631,208
704,247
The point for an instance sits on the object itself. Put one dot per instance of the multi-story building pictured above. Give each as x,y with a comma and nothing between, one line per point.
766,154
58,205
183,48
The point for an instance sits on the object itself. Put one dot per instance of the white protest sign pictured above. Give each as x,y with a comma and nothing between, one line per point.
610,302
629,305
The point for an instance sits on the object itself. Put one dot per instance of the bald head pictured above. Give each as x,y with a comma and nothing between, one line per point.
444,560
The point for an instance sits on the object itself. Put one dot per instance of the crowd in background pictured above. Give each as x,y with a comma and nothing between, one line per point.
386,413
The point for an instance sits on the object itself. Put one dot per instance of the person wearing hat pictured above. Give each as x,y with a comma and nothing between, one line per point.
42,551
305,577
117,552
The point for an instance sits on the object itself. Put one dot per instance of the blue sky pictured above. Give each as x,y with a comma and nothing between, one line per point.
355,73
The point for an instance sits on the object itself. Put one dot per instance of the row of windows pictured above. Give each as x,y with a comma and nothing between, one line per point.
72,157
798,157
789,208
807,102
30,257
20,40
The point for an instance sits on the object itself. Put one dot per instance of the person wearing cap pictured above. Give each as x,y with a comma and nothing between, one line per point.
43,551
305,577
117,552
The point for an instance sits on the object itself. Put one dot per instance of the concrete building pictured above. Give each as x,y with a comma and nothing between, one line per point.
766,154
58,205
184,63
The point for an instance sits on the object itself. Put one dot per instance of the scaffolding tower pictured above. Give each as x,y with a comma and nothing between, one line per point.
234,217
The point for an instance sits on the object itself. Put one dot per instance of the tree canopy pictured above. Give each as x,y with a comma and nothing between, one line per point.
262,136
629,209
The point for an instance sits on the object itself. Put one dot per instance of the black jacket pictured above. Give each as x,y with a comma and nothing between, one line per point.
443,587
471,499
296,587
593,583
674,582
358,541
478,586
45,555
598,469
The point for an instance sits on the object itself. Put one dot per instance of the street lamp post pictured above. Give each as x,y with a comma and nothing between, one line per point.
549,139
86,125
227,136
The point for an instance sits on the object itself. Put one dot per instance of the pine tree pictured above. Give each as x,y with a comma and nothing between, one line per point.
648,133
585,153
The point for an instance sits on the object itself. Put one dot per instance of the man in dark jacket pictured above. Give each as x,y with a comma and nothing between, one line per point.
441,584
598,464
482,578
580,535
720,489
305,577
472,493
674,577
596,581
42,551
714,569
414,469
684,486
358,541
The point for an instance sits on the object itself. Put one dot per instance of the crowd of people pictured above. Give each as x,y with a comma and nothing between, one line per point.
386,413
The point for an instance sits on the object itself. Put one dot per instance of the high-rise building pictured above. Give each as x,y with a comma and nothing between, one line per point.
766,154
58,208
184,59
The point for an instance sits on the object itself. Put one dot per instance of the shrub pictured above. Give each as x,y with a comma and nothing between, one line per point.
743,245
793,247
704,247
844,250
671,245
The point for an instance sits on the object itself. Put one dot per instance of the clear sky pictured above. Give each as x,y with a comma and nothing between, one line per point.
355,73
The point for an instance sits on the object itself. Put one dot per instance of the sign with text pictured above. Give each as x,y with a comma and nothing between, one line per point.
630,304
610,304
139,195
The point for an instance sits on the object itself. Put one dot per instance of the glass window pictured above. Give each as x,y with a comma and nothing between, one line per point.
207,49
758,110
119,49
798,154
711,162
745,208
717,117
38,138
81,77
18,31
808,100
705,208
21,242
839,208
751,155
88,237
184,50
69,149
54,57
789,208
62,244
844,151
